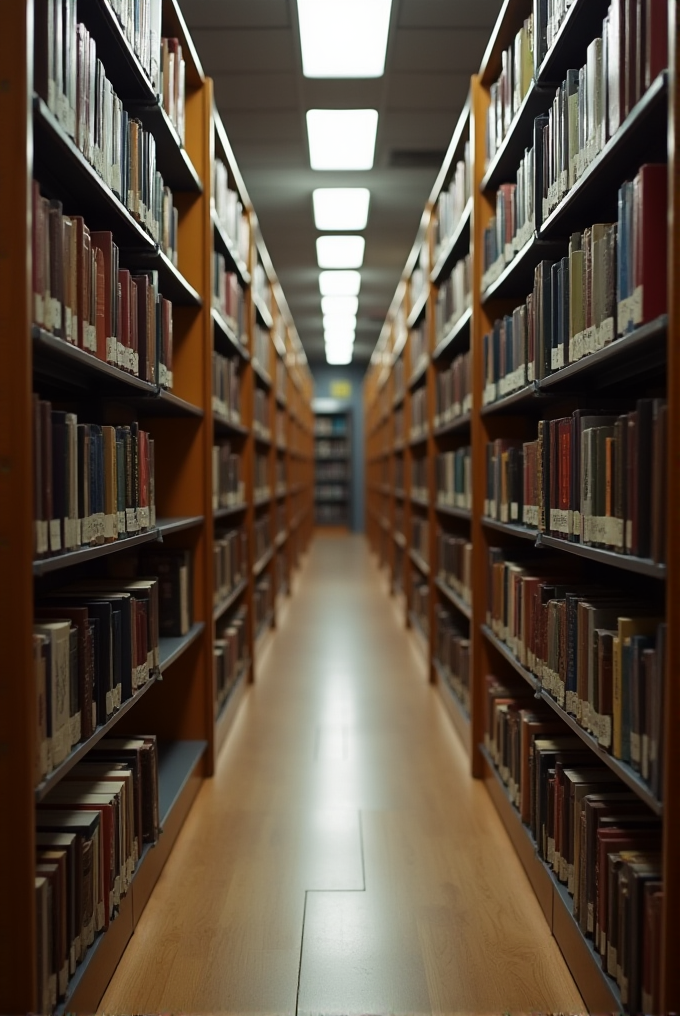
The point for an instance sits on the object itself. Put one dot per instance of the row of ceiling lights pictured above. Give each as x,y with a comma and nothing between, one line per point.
342,39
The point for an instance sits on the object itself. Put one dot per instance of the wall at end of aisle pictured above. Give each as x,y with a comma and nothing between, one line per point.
325,380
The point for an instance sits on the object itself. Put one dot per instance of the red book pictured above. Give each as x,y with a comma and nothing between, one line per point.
100,302
124,281
564,492
103,240
656,40
650,233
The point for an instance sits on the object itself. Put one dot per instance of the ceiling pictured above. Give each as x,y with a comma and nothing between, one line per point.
252,50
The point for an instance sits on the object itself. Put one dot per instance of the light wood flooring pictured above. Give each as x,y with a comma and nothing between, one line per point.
342,860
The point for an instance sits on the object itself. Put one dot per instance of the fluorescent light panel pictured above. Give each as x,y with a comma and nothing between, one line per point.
338,359
339,283
342,138
340,251
341,208
344,38
347,321
332,306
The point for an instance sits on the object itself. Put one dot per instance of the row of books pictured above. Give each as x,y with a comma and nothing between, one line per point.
226,387
91,831
612,281
95,644
82,295
263,602
262,486
454,298
331,471
227,472
419,478
514,221
229,211
398,425
281,427
262,537
418,413
454,390
453,201
452,651
330,426
230,563
599,652
229,299
398,474
173,84
262,346
335,449
261,413
330,492
593,101
419,605
91,484
418,347
593,478
507,94
72,81
420,537
261,288
230,653
281,375
454,479
281,474
454,564
597,839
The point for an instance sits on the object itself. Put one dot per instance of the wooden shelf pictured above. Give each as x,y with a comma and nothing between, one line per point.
454,707
418,308
221,608
172,648
517,278
452,596
454,426
582,23
455,513
456,340
169,526
225,338
420,562
455,248
221,514
262,562
423,502
224,246
43,566
262,310
224,426
261,373
419,372
59,364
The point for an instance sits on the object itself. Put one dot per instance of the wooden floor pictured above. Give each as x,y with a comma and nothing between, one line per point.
342,861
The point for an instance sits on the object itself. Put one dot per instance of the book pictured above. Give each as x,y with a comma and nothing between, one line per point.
452,653
230,653
453,471
230,562
454,564
454,391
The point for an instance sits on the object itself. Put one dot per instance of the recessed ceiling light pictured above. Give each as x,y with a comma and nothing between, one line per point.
340,251
342,138
344,38
339,283
337,305
339,337
338,208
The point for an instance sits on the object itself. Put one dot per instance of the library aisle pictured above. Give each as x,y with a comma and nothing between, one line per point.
342,860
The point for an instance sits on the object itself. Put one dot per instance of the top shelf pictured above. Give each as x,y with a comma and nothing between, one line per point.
582,24
133,86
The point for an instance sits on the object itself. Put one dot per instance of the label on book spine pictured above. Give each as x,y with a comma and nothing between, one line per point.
38,308
559,521
605,735
606,333
109,703
42,544
143,517
55,535
110,526
121,355
557,358
131,521
70,533
112,350
530,515
121,526
90,337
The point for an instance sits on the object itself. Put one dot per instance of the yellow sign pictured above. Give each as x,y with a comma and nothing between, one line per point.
341,389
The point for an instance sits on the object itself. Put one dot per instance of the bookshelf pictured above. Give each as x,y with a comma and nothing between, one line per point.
178,703
438,514
332,464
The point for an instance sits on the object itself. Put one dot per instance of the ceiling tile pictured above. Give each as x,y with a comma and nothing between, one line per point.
255,91
449,14
427,91
422,49
283,127
236,13
225,50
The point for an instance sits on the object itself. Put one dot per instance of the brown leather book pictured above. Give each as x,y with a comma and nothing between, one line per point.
103,240
656,39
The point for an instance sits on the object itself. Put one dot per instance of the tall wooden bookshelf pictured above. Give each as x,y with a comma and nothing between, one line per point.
179,704
333,463
620,368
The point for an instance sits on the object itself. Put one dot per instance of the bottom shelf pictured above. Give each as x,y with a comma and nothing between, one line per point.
179,778
599,992
229,708
454,707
